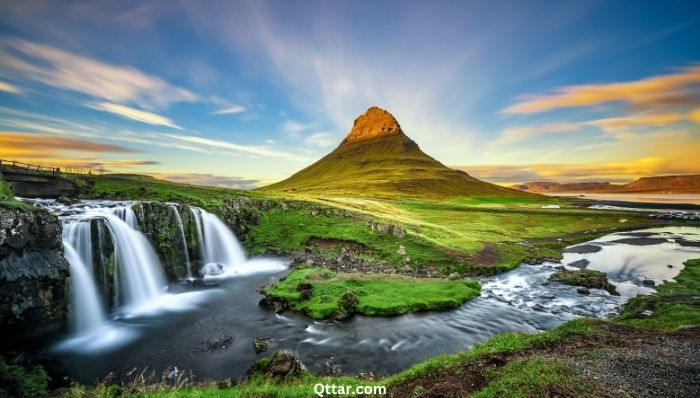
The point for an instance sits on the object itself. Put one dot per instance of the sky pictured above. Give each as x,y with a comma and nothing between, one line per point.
245,93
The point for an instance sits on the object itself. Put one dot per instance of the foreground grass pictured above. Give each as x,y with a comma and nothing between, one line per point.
535,378
339,295
675,304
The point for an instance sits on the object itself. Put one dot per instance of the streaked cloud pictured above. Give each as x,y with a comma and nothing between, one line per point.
695,116
16,144
669,89
54,67
321,140
9,88
295,127
208,179
134,114
572,172
516,134
239,148
230,110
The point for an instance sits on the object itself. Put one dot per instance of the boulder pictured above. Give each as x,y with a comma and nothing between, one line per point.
260,345
585,278
33,276
282,364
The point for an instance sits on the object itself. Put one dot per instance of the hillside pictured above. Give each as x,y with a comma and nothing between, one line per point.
545,187
378,159
661,184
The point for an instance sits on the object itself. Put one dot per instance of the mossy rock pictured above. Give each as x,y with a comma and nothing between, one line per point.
586,277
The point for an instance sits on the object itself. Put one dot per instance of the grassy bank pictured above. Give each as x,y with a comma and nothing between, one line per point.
321,293
7,199
674,305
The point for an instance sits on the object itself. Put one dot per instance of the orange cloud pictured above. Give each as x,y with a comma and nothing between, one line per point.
663,90
61,151
38,145
572,172
695,116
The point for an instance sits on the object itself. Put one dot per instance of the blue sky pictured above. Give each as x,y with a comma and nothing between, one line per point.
246,93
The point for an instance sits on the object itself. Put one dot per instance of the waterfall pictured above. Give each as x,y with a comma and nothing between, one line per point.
219,245
126,214
197,213
184,239
88,312
140,275
78,235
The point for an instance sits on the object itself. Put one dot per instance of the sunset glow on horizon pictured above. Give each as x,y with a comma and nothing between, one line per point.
246,93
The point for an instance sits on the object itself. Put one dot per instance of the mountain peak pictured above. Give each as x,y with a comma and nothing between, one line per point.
373,123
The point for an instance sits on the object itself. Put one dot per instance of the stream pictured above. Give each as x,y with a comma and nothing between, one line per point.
210,329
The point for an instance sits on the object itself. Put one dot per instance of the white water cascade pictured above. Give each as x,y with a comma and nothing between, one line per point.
140,275
219,244
197,215
221,252
183,238
88,312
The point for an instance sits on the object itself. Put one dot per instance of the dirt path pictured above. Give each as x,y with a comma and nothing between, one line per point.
617,361
662,366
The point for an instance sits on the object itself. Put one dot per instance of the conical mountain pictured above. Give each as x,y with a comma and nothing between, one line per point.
378,159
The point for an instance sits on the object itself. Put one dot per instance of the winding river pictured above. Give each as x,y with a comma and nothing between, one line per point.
209,330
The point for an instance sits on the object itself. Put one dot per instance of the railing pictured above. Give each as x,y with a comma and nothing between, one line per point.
27,168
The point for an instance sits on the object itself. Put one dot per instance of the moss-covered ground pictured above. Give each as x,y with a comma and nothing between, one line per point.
321,293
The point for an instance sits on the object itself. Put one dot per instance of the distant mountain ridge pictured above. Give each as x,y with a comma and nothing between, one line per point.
661,184
377,158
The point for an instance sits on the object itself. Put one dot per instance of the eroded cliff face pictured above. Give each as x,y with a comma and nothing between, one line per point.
34,276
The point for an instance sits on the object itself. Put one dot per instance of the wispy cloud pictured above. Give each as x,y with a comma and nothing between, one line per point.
208,179
571,172
9,88
626,126
669,89
516,134
295,127
321,140
44,145
134,114
241,149
230,110
68,71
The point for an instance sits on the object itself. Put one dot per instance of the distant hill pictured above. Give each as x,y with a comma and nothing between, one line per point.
660,184
378,159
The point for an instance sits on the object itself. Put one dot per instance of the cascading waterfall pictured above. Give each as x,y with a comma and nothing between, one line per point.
126,214
184,239
197,215
140,275
219,244
88,312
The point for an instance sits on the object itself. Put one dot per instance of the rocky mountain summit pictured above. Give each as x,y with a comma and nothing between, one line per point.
376,122
378,159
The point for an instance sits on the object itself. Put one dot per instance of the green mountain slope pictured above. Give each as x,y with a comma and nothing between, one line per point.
378,159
